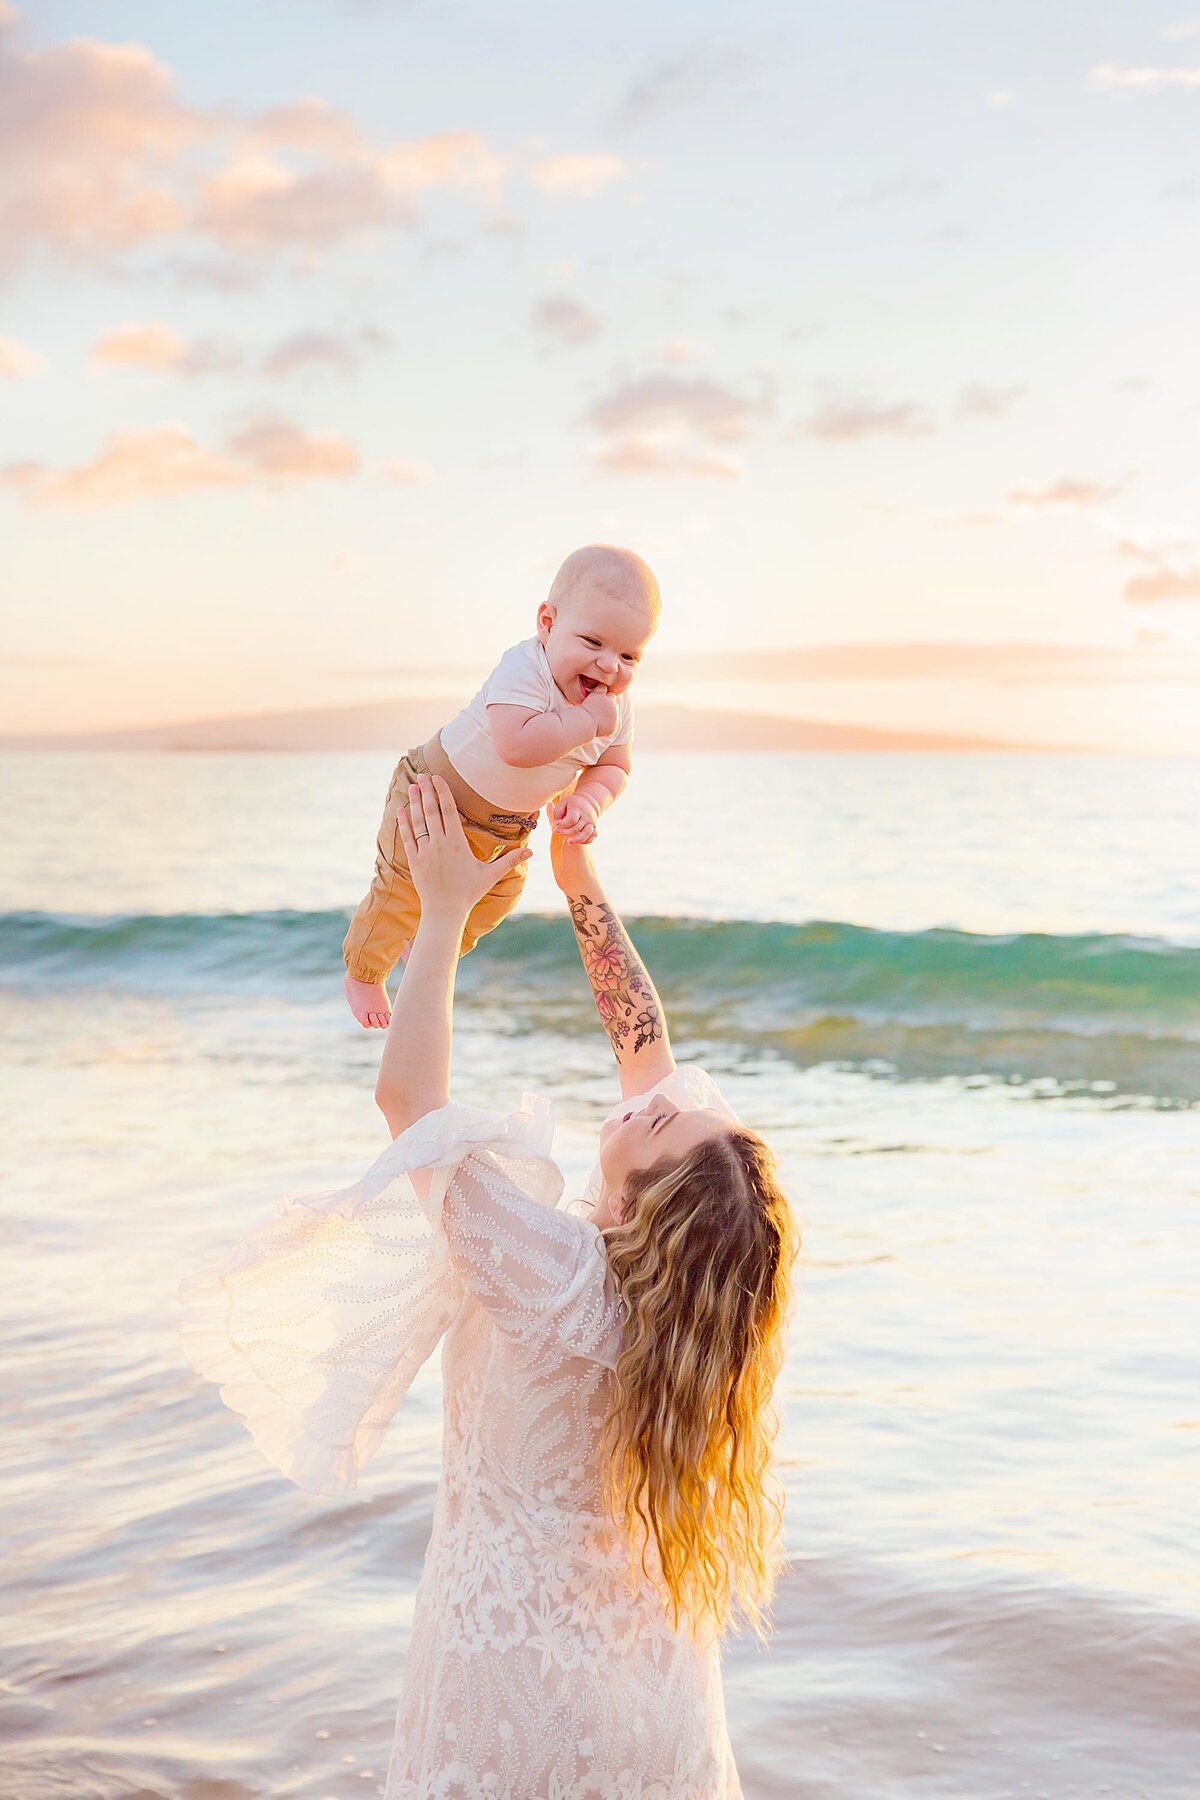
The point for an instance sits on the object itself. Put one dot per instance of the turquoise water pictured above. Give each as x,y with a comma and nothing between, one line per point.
962,998
1103,1013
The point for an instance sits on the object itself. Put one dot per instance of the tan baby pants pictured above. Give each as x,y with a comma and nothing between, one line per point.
387,918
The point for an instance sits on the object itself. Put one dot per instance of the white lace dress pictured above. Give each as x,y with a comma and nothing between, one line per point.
536,1670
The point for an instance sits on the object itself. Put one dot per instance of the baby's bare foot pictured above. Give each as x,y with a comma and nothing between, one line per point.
369,1003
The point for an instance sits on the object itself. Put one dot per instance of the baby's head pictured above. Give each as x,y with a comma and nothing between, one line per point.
601,612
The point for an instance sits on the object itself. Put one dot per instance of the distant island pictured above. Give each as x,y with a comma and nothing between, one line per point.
395,724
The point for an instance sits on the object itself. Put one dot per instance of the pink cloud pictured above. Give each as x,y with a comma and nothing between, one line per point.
134,465
582,176
156,346
670,401
845,420
100,154
408,474
323,349
1067,494
650,456
257,203
309,124
88,135
667,424
559,316
18,361
167,460
151,346
1164,584
280,448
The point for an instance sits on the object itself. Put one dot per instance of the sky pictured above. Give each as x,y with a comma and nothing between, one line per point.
328,328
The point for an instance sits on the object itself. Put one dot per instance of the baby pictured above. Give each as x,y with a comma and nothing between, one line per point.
553,721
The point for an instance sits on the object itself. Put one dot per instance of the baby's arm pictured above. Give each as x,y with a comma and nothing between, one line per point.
577,815
526,740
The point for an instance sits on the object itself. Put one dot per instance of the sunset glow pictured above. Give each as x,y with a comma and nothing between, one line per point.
320,347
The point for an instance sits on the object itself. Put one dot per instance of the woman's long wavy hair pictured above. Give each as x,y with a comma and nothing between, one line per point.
702,1259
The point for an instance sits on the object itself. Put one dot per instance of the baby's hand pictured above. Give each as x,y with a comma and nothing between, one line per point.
604,711
576,818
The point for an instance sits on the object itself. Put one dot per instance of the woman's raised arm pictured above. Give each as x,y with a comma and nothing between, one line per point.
414,1071
630,1010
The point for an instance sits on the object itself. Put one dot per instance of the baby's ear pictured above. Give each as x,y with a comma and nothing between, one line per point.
546,615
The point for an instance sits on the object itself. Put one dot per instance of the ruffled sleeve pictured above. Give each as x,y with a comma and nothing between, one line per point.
315,1324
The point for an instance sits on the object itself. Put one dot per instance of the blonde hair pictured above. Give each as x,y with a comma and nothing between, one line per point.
703,1262
621,573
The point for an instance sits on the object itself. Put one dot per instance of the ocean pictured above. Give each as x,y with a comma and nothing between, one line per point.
959,994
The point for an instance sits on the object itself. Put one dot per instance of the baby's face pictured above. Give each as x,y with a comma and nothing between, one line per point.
594,640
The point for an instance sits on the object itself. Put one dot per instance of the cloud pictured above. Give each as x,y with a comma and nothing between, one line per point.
976,401
153,346
19,474
409,474
1188,189
1140,552
665,424
680,81
221,274
1183,28
88,134
17,361
258,202
684,350
581,176
323,349
1164,584
1001,97
647,456
844,420
134,465
1108,76
558,316
99,154
157,346
1067,494
1168,556
167,460
656,401
280,448
1152,549
308,124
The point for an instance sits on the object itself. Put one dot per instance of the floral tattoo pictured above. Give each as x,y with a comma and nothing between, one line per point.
625,998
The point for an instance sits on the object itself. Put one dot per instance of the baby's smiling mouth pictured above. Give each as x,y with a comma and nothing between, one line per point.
589,686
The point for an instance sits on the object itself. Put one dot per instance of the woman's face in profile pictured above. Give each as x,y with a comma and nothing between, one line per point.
658,1131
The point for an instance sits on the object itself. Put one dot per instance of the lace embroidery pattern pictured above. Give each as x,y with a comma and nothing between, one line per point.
536,1670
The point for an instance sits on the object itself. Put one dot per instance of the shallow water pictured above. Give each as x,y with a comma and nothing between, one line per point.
990,1407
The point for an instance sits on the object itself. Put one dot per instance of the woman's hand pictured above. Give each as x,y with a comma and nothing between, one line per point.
571,862
446,872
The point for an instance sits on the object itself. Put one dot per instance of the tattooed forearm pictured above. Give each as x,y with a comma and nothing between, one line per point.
628,1006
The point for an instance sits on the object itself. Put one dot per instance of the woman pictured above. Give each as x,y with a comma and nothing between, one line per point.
605,1498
